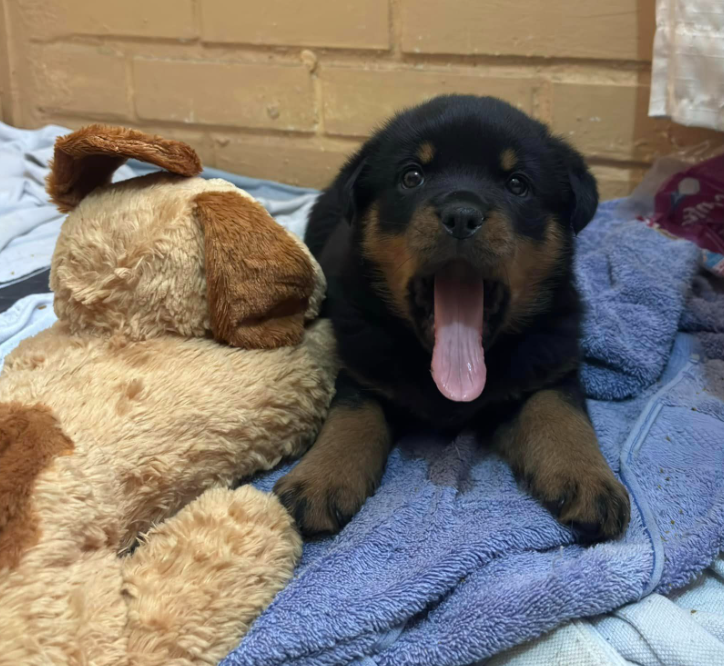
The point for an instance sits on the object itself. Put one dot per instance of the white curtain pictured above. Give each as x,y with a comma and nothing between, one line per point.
688,65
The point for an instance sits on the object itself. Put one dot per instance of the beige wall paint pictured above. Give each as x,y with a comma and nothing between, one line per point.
286,89
5,93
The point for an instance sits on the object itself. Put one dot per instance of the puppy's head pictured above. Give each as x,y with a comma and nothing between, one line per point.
464,210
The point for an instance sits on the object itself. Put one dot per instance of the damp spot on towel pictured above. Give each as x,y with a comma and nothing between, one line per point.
449,459
452,466
714,375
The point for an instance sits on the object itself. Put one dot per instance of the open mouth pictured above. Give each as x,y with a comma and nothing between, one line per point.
454,308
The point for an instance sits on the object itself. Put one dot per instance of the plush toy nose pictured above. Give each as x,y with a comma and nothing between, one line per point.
462,221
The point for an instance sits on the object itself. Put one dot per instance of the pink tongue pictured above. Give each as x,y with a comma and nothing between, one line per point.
458,364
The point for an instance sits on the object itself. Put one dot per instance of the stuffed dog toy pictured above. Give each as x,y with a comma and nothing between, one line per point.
186,357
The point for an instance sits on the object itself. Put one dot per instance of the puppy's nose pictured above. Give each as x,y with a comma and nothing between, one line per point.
462,221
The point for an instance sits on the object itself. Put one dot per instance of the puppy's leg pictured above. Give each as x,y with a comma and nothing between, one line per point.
343,467
552,446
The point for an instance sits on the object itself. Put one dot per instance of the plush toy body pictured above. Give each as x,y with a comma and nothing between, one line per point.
124,425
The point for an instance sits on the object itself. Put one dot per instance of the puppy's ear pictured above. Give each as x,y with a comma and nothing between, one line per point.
585,196
350,190
258,278
581,186
86,159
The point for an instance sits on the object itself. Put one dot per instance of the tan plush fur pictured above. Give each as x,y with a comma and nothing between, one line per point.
126,423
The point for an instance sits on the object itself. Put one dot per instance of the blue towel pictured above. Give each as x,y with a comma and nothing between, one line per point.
450,562
634,283
704,314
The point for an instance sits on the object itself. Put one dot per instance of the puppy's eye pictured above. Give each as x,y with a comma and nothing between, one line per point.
412,178
517,186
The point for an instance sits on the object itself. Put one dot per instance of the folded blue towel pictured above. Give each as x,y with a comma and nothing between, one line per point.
634,283
450,562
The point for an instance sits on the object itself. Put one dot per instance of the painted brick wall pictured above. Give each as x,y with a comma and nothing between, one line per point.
285,89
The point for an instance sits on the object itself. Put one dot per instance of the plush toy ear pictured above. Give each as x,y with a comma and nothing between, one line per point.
259,280
86,159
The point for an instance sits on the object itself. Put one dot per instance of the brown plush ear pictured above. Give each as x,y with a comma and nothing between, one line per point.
86,159
259,281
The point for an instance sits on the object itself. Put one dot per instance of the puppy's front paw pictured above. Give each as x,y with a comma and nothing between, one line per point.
593,503
321,502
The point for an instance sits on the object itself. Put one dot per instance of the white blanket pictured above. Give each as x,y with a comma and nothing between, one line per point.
29,223
685,629
687,83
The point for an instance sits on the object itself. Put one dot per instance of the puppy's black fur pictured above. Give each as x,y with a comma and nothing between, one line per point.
458,180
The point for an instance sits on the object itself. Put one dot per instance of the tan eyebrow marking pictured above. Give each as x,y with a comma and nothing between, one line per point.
508,159
425,153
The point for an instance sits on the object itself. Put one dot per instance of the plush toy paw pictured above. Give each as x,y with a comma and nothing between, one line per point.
206,574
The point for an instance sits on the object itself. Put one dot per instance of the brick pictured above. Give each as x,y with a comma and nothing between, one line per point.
244,95
46,19
615,29
356,101
303,162
80,80
612,121
347,24
616,182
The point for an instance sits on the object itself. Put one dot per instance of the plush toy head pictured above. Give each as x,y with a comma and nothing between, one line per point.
168,253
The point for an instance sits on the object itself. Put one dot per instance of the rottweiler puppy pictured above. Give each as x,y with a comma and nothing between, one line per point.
447,241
